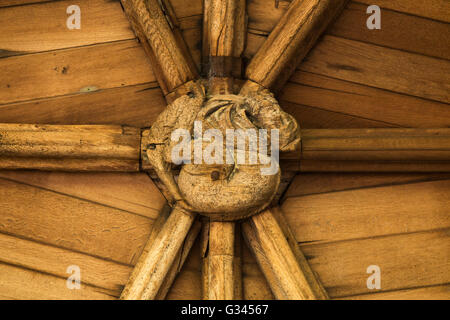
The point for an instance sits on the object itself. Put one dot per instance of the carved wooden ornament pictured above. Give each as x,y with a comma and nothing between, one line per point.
230,194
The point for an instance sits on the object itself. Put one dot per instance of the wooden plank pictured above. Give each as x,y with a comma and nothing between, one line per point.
71,223
433,9
133,192
7,3
390,108
136,105
18,283
441,292
384,68
42,27
369,212
318,183
71,71
406,261
430,38
317,118
398,30
55,261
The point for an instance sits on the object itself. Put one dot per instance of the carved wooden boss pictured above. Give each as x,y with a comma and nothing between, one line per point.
230,192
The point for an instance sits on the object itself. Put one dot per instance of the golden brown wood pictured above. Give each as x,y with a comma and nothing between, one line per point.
376,144
69,148
288,273
224,30
179,261
158,257
219,278
290,41
170,61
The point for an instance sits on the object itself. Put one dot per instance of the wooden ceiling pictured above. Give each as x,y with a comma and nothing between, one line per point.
398,76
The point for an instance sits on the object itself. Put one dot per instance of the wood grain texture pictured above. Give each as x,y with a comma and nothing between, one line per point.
433,9
397,71
170,62
220,273
440,292
132,192
136,105
366,106
54,261
406,261
69,148
288,277
376,144
290,41
76,70
74,224
370,211
22,28
23,284
428,39
158,257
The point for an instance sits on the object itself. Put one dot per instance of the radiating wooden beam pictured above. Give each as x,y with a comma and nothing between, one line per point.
219,269
376,144
158,257
70,148
179,260
171,61
371,150
290,41
224,33
288,273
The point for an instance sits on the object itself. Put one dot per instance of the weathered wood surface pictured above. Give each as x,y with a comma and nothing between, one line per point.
187,284
287,273
171,64
395,205
69,148
290,41
219,269
224,34
376,144
355,105
158,257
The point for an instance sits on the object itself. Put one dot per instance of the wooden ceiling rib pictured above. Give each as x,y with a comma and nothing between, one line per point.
354,78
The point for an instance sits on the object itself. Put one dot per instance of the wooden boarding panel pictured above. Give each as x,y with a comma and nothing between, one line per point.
433,9
431,38
398,30
406,261
55,261
101,21
318,183
23,284
71,71
384,68
135,105
132,192
369,211
357,100
309,117
71,223
441,292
